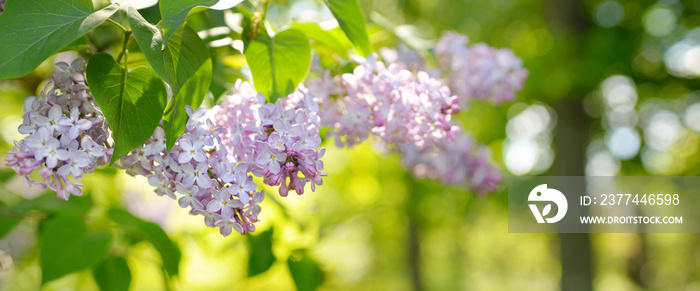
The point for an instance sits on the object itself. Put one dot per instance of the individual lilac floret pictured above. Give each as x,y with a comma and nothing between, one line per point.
279,141
67,135
201,172
479,71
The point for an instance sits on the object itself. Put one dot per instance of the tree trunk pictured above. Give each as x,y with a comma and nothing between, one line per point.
570,142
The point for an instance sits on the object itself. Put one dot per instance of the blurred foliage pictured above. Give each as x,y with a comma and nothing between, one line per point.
356,231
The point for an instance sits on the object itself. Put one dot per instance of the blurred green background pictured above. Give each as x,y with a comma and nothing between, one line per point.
613,90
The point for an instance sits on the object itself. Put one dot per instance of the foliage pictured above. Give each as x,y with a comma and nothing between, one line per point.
130,90
148,67
53,28
123,94
278,63
358,229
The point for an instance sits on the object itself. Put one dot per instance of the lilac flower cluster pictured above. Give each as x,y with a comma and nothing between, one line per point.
67,134
410,112
279,141
479,71
459,162
208,168
391,103
203,172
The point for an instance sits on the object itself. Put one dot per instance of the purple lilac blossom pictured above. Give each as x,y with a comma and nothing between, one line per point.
201,173
460,162
279,141
412,114
479,71
394,104
209,166
66,134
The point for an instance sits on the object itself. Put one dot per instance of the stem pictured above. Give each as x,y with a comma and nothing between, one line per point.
121,27
166,279
264,10
127,33
212,175
258,19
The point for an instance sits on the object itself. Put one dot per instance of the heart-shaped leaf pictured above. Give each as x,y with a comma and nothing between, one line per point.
280,63
132,101
184,64
67,246
32,30
352,22
112,274
546,209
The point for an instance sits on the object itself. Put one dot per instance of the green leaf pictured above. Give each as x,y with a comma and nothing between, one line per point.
150,40
112,274
352,22
50,204
189,58
67,246
185,64
174,13
132,101
261,257
279,64
80,44
305,271
333,39
32,30
9,218
7,223
140,229
6,174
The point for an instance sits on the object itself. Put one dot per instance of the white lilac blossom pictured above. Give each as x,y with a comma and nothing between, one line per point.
279,141
201,172
479,71
66,134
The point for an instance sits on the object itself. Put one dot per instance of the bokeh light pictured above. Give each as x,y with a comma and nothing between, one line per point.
609,13
659,21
